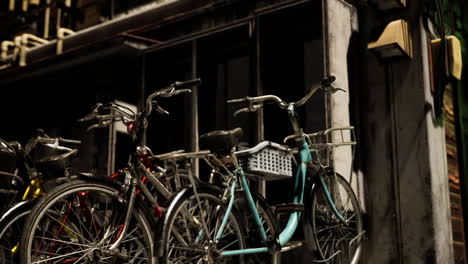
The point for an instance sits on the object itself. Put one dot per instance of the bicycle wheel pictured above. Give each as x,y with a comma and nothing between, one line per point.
77,223
176,181
11,226
330,234
270,226
187,241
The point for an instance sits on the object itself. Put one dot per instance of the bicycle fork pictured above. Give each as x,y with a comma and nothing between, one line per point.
114,246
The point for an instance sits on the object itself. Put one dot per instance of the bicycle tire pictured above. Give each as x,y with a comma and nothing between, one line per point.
168,180
78,221
329,234
11,225
192,251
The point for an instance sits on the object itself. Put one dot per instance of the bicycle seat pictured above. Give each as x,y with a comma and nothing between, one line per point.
221,141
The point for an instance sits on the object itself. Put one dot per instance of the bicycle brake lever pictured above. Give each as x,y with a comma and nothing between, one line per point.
100,124
334,90
252,108
91,127
93,114
243,110
181,91
160,110
331,89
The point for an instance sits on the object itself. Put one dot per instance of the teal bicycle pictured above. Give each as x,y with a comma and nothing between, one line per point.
228,224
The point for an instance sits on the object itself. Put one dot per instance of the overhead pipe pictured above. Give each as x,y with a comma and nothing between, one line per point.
6,44
61,33
25,40
16,51
67,3
157,12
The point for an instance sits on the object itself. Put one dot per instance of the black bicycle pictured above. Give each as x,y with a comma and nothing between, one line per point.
28,173
107,220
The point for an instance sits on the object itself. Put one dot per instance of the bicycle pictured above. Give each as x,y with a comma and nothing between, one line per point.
335,212
43,162
107,220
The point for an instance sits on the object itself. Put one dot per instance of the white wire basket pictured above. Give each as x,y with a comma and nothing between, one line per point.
269,160
324,143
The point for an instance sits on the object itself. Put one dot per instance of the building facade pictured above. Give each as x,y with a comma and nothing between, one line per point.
409,164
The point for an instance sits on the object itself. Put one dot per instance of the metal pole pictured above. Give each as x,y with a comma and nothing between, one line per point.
141,95
194,112
112,9
47,19
255,36
59,19
111,149
260,130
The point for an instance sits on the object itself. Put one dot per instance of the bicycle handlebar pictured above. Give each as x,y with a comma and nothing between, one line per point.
255,103
169,91
98,107
69,141
44,139
189,83
126,115
48,140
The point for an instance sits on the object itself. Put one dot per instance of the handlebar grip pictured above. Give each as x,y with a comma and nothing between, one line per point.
46,140
182,91
93,113
70,141
193,82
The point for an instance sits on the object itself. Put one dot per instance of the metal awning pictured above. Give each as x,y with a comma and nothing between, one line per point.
161,12
124,33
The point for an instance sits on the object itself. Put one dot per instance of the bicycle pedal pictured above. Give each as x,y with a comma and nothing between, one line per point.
288,208
291,245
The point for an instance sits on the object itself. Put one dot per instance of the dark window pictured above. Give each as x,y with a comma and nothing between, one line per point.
224,66
169,132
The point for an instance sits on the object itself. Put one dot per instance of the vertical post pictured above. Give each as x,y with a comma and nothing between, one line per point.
254,34
112,9
59,19
25,5
338,14
326,66
11,7
194,110
47,19
111,149
141,92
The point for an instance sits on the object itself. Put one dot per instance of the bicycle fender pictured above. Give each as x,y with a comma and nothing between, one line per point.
16,209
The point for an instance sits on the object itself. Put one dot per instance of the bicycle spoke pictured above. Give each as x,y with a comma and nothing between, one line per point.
330,234
189,245
85,238
60,256
63,241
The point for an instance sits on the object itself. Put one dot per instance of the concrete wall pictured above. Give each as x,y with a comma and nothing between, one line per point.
339,18
407,192
439,171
